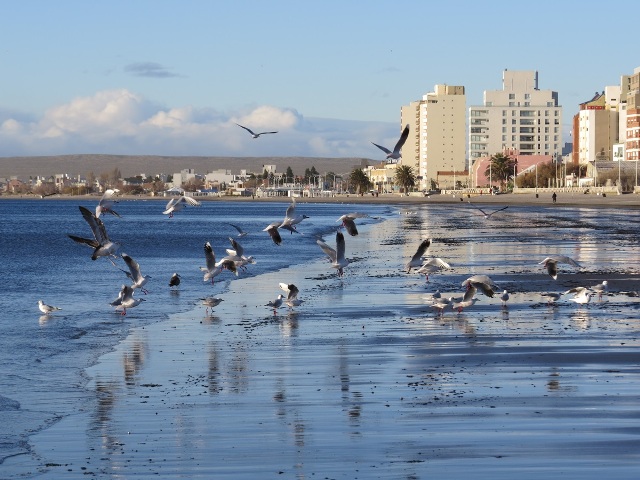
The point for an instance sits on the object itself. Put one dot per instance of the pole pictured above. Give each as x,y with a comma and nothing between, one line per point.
536,178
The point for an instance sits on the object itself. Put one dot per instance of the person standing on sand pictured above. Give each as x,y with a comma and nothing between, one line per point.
554,197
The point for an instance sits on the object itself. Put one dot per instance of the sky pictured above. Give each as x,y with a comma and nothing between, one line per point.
160,77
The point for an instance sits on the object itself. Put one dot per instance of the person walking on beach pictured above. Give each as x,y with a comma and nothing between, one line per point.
554,197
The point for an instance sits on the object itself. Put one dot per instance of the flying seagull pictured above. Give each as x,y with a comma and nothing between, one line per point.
272,230
106,203
179,203
416,261
488,214
551,264
241,232
483,282
336,256
139,280
102,246
348,222
127,300
432,265
253,134
395,155
290,217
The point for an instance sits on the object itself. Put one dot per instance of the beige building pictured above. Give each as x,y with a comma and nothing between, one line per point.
520,117
596,127
437,133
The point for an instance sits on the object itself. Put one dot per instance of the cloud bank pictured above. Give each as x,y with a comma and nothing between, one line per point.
121,122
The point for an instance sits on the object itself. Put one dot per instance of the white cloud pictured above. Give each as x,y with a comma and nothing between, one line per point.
122,122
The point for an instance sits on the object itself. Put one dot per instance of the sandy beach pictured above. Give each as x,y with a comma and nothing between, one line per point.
366,380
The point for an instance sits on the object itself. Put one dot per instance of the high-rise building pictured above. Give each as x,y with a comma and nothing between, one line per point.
596,127
520,118
437,133
630,129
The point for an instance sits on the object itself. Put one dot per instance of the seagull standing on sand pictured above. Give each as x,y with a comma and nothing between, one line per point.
551,264
432,265
209,303
292,294
336,256
417,260
505,298
127,300
47,309
395,155
102,246
348,222
174,281
179,203
601,288
277,303
139,280
551,297
106,203
253,134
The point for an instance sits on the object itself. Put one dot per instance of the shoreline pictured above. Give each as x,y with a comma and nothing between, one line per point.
629,200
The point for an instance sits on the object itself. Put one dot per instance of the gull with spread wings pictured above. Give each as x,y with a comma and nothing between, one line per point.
395,155
253,134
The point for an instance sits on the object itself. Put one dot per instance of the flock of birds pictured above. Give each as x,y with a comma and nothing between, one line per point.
234,261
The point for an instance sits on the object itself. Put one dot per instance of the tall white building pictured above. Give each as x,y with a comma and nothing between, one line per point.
520,118
437,133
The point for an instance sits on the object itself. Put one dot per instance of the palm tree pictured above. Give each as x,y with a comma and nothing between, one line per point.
359,180
405,177
500,167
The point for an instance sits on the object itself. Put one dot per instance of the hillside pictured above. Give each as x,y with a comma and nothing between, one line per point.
130,165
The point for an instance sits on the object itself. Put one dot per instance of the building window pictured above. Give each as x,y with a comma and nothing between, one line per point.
527,96
512,96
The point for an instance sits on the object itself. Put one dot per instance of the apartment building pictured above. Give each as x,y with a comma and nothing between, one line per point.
596,127
520,118
437,135
630,122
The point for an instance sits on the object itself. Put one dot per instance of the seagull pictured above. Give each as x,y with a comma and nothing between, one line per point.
349,224
336,256
504,297
551,297
551,264
582,295
488,214
468,299
174,281
241,232
210,302
272,229
139,280
214,269
601,288
417,260
102,246
277,303
237,256
432,265
483,282
106,202
395,155
254,135
127,300
46,309
290,217
118,300
179,203
292,294
441,304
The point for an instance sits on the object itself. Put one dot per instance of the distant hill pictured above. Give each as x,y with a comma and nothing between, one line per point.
131,165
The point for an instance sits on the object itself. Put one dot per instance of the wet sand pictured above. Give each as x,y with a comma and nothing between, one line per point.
365,380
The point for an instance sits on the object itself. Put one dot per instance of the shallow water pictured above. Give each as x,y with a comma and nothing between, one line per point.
364,380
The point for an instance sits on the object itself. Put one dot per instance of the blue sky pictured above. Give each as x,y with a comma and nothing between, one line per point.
173,78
